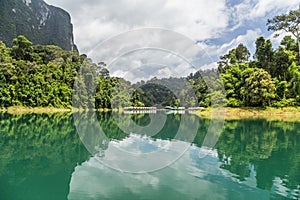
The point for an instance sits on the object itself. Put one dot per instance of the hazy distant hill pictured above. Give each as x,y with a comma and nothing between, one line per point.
38,21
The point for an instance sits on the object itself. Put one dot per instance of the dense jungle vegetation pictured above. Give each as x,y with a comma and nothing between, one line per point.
45,76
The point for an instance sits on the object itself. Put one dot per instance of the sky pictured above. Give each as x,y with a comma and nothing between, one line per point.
216,26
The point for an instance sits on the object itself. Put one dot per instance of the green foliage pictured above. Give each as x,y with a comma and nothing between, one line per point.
232,102
207,86
121,94
259,89
289,23
240,54
233,80
136,98
263,53
37,76
46,76
272,79
155,94
289,43
22,48
167,92
281,89
282,60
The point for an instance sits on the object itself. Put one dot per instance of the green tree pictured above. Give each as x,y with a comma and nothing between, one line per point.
136,98
121,94
259,89
282,59
37,75
22,48
232,79
294,85
240,54
289,43
85,86
264,53
289,22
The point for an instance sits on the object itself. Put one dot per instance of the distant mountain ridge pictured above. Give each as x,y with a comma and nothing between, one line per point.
39,22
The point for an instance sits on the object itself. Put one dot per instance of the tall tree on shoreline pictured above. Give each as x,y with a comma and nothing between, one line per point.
289,23
238,55
264,53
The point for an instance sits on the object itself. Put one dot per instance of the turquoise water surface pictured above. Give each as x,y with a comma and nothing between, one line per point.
43,157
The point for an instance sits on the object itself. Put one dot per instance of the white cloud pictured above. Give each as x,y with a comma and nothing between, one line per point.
264,6
248,39
200,20
98,20
239,13
92,179
212,65
255,9
145,52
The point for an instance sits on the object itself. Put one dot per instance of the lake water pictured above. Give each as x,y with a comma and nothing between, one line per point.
43,157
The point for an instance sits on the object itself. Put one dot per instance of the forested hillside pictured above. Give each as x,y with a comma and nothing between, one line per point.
272,76
45,76
36,75
271,79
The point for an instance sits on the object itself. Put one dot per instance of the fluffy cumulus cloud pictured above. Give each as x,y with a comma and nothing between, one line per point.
247,39
217,25
254,10
264,6
97,20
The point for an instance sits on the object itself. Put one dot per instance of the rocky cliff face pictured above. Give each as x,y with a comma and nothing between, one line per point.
39,22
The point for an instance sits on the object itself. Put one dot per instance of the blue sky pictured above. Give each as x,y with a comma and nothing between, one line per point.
218,25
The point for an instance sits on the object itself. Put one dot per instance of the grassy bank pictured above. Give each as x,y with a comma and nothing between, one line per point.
21,110
287,113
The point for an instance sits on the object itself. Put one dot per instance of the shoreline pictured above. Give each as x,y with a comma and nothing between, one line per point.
270,113
24,110
28,110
